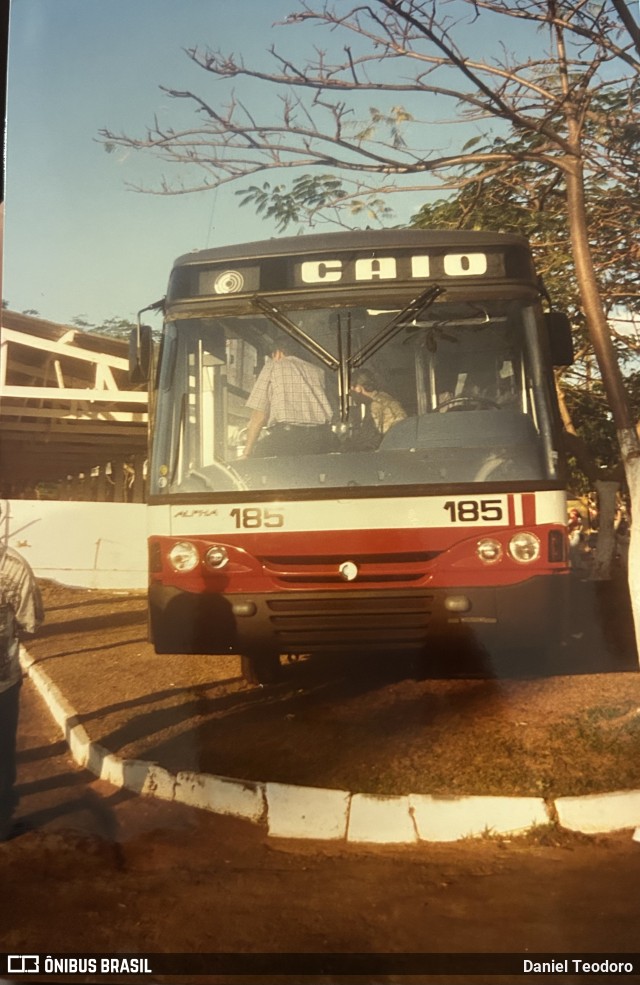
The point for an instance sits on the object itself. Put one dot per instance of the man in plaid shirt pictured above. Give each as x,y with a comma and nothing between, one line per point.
289,397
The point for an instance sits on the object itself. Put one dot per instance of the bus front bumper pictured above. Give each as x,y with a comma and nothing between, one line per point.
527,614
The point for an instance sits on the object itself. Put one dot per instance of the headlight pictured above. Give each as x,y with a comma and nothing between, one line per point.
183,556
216,556
489,550
524,547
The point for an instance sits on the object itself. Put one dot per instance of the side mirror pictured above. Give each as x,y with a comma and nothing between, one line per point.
140,354
560,338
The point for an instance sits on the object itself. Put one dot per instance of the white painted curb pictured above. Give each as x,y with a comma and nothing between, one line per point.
306,812
451,819
221,794
290,811
599,813
381,820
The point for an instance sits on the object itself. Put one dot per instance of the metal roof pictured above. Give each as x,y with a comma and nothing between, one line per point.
66,406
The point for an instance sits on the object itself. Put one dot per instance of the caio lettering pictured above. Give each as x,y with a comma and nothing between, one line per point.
418,267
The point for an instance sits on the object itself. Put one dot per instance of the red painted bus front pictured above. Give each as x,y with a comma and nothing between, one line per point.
444,514
308,590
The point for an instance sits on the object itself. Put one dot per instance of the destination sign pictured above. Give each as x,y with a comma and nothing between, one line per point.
415,266
273,274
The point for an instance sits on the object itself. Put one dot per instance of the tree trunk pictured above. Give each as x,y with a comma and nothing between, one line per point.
612,378
631,457
591,299
606,544
565,416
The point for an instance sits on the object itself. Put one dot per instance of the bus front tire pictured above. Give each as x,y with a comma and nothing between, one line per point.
260,668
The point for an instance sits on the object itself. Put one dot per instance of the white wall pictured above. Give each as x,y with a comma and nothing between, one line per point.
91,545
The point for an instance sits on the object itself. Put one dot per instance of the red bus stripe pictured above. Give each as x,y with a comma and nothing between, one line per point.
529,509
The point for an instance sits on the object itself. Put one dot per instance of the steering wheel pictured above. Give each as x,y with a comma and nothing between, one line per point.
473,403
495,468
228,476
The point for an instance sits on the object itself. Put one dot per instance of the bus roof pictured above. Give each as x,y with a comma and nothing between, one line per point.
357,239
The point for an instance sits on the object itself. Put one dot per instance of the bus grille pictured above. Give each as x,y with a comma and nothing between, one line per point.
307,624
408,567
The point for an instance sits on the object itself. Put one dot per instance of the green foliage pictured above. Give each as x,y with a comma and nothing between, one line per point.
288,206
592,419
529,199
308,196
391,123
116,328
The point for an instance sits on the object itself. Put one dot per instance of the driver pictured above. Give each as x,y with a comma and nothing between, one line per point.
479,392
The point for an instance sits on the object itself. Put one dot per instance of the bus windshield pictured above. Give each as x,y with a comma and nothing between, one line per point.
449,391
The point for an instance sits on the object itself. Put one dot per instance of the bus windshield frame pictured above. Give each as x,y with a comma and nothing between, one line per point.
469,370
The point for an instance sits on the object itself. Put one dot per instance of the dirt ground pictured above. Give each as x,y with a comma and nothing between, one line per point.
100,870
365,727
103,871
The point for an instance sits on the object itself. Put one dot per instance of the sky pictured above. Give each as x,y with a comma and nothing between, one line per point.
78,242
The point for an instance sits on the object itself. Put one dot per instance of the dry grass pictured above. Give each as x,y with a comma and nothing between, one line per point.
358,727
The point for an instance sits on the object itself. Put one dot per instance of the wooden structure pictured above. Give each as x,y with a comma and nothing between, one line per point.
68,417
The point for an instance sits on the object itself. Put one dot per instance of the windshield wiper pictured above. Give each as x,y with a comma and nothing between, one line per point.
295,332
391,329
346,361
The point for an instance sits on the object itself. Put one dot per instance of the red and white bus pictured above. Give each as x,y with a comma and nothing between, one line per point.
449,520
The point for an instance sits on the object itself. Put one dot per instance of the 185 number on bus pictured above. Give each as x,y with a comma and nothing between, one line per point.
474,510
253,517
